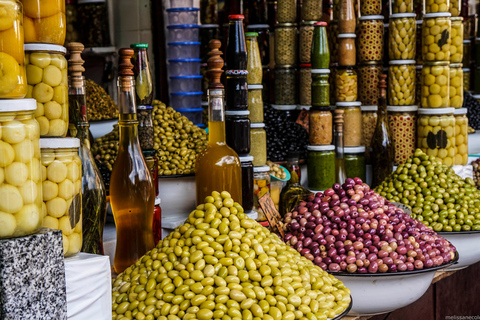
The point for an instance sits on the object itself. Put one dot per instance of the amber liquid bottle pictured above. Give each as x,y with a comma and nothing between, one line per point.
132,193
383,150
217,167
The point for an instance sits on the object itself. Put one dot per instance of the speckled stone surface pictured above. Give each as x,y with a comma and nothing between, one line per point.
32,277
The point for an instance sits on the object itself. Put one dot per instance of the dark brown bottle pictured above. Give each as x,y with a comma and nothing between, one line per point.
383,150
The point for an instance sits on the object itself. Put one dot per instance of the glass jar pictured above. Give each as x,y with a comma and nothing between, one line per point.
403,124
402,36
456,85
467,52
456,47
311,10
47,78
369,122
285,87
435,85
418,46
286,44
370,38
346,84
236,90
275,190
152,164
466,79
12,56
321,167
346,49
461,137
93,17
320,88
305,84
288,110
263,41
352,127
44,22
455,7
71,34
320,126
438,6
436,30
157,221
305,41
208,11
255,102
355,164
436,133
368,80
261,185
237,131
401,6
418,85
247,182
401,82
254,63
145,127
62,190
287,11
258,138
370,7
21,211
332,34
346,16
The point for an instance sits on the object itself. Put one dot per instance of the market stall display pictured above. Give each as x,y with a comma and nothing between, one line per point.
100,105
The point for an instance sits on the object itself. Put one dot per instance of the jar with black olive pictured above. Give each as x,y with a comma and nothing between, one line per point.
237,131
305,84
286,44
320,88
247,182
285,85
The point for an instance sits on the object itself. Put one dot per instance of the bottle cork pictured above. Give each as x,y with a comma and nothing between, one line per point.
215,64
338,120
125,68
75,64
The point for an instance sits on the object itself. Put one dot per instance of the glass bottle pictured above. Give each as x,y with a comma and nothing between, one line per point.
320,52
236,56
254,62
94,194
293,192
217,166
383,152
340,171
143,75
132,193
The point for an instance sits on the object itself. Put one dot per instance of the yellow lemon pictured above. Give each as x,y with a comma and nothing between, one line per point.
51,29
9,73
41,8
30,32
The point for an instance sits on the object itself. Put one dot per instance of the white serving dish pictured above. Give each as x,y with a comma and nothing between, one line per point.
467,246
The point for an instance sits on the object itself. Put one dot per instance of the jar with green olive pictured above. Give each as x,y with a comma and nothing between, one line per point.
418,85
320,88
456,85
346,84
368,75
461,137
436,30
352,128
285,85
305,41
466,79
403,124
255,103
401,6
456,48
369,122
436,133
418,43
355,164
286,44
401,82
320,126
370,38
305,84
455,7
370,7
402,36
321,167
436,85
287,11
437,6
311,10
258,148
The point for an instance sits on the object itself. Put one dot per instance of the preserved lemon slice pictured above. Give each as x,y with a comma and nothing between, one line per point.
9,73
7,16
41,8
30,32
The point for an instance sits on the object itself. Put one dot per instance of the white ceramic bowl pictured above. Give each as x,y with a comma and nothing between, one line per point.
467,246
384,292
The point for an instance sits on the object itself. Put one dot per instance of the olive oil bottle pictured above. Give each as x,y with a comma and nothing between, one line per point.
132,193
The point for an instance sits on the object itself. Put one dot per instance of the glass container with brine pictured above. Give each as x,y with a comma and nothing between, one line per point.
132,193
143,75
217,167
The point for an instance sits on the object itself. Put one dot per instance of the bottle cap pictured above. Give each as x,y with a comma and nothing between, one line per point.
321,23
236,17
139,45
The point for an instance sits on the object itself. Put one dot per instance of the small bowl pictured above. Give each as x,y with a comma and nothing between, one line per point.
178,16
467,246
183,67
183,50
186,100
181,3
186,83
194,115
183,33
272,177
384,292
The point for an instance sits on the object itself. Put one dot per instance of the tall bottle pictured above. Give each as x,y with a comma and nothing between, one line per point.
383,150
94,194
143,75
254,61
293,192
217,167
132,193
340,171
320,53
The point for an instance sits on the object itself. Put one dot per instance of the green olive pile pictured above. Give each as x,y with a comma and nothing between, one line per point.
177,140
105,148
437,196
222,265
100,105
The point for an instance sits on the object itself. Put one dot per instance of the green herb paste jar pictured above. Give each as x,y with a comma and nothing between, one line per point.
355,162
321,167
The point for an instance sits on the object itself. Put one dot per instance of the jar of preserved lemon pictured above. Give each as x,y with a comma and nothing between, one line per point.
13,82
461,137
402,36
401,82
401,6
435,85
21,211
436,133
434,6
418,85
62,190
456,85
346,84
44,21
47,79
436,32
456,48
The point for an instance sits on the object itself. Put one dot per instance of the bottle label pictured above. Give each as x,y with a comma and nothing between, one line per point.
236,72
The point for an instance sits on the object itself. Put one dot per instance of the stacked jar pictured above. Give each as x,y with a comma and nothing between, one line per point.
461,137
263,42
457,56
183,54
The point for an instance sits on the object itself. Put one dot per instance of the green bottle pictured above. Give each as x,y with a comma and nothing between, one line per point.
320,52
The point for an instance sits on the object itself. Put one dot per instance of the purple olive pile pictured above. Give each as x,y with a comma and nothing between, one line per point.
350,228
